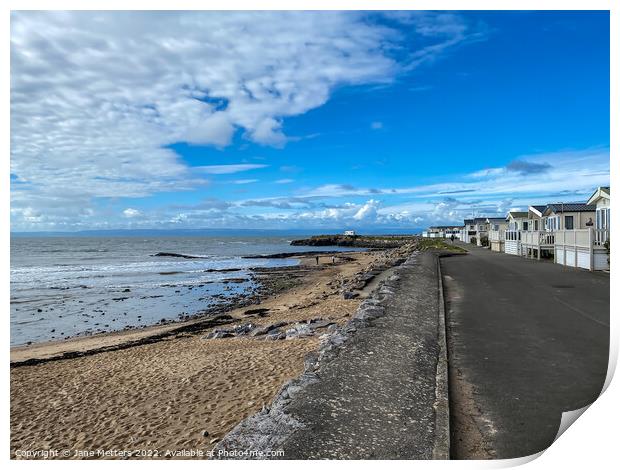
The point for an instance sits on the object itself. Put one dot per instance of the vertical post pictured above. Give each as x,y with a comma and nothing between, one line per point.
591,248
575,244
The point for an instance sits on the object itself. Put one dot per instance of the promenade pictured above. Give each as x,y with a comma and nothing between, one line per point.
381,394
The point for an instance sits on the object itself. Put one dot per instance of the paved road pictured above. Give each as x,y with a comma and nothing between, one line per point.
527,340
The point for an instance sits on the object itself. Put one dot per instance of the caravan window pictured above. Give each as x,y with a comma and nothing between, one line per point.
568,222
524,225
602,218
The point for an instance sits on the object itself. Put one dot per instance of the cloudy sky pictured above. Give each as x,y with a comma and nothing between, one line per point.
302,119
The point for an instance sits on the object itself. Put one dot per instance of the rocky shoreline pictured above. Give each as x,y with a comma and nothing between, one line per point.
212,371
358,241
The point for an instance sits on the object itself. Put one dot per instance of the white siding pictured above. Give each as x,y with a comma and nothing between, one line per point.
600,260
583,259
568,257
512,247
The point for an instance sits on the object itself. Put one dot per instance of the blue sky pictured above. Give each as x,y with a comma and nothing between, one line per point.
303,120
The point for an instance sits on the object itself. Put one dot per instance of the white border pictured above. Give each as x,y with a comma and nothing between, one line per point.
589,443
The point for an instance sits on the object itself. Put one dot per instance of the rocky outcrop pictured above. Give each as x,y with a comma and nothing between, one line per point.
357,241
177,255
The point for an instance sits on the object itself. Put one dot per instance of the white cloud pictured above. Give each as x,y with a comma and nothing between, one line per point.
376,125
268,131
284,181
367,211
228,169
215,128
130,213
246,181
98,97
571,175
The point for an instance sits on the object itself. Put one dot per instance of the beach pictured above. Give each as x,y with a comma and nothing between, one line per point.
166,389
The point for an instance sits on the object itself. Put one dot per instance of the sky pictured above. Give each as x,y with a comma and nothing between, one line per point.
302,120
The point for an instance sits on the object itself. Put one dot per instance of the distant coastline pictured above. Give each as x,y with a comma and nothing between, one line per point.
216,232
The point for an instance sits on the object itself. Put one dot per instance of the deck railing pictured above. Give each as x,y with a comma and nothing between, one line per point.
582,238
513,235
537,238
601,236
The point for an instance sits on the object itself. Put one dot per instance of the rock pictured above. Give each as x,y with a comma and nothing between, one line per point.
275,336
261,312
347,295
266,329
217,334
205,433
176,255
236,280
300,330
245,329
321,324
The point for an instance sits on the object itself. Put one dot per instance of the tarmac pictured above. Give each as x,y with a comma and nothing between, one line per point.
527,340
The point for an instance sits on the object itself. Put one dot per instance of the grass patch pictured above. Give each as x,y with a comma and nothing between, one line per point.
439,244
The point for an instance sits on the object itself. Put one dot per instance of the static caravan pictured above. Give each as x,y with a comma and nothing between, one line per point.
601,199
433,232
468,230
568,216
535,215
573,227
516,222
536,240
450,230
442,231
496,232
482,230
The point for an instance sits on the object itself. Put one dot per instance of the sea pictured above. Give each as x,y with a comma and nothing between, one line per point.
67,286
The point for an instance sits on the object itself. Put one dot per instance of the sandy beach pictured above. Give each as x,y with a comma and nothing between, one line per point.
183,391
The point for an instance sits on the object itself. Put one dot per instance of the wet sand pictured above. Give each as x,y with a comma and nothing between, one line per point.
183,392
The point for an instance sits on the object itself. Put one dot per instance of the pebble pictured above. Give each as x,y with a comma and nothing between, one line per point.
205,433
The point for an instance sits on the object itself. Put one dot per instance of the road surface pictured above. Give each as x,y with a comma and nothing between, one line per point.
527,340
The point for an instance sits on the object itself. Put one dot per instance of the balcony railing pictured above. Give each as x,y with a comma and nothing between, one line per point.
582,238
601,236
537,238
513,235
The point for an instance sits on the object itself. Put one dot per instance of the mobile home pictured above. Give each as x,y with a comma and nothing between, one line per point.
496,232
516,222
